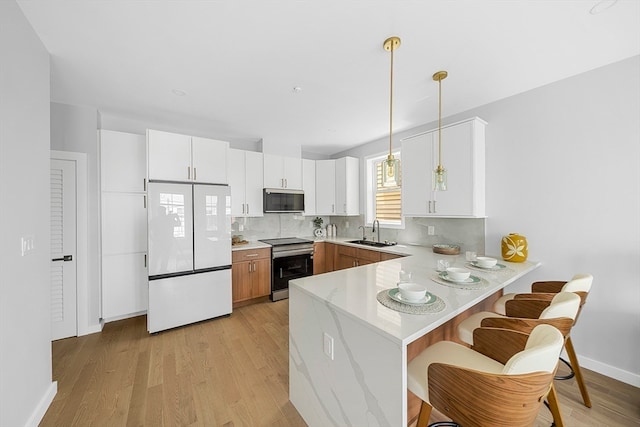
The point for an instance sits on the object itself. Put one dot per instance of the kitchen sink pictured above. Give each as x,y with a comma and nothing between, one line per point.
372,243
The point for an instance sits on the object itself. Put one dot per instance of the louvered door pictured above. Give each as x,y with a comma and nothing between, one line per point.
63,249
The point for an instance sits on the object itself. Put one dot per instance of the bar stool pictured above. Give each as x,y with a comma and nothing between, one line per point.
580,284
501,381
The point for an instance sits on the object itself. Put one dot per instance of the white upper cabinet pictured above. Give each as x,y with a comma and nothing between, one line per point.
175,157
338,186
309,186
123,162
246,182
282,172
325,187
209,160
463,156
347,186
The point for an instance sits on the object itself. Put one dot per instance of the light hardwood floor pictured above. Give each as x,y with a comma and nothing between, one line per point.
231,372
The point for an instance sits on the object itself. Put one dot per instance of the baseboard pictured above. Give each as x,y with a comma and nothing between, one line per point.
43,405
610,371
90,329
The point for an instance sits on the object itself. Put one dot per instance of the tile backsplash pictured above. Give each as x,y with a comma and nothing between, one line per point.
467,232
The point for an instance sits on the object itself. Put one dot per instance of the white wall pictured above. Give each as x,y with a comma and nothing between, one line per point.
26,388
74,129
563,168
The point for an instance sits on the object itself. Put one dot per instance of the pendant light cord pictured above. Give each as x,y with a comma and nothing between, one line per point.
391,101
440,123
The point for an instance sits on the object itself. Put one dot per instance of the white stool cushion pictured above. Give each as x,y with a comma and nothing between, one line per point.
564,304
468,325
452,354
500,305
540,354
579,283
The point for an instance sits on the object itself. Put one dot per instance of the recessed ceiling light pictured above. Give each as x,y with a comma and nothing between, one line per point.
297,89
178,92
601,6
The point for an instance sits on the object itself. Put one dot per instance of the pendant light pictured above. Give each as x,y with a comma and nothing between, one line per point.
440,173
390,166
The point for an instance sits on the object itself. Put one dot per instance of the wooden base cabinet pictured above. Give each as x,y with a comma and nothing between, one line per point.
348,256
251,274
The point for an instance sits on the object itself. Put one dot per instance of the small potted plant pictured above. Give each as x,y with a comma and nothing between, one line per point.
317,222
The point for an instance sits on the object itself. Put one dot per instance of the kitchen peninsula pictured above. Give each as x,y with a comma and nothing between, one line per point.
348,353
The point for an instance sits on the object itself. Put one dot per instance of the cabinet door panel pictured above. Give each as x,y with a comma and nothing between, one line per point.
261,277
241,280
273,171
309,186
416,175
169,156
209,160
325,187
124,285
237,181
254,183
292,168
457,158
123,160
124,223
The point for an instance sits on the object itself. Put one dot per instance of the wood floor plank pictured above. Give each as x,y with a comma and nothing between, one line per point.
232,372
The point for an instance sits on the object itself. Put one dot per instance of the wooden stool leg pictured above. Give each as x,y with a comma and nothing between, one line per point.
568,345
554,407
425,413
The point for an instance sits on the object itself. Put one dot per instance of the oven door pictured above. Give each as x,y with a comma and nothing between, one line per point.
289,268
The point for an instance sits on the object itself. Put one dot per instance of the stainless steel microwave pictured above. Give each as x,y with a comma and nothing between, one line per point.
279,200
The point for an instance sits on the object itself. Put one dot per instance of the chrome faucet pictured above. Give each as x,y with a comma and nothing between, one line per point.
373,229
363,236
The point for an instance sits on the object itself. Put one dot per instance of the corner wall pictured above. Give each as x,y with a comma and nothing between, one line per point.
26,387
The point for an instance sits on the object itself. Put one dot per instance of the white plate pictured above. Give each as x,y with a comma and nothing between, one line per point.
495,267
470,279
394,294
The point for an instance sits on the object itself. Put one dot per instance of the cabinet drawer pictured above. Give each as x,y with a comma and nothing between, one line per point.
250,254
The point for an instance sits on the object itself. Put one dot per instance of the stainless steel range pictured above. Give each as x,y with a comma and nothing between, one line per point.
292,258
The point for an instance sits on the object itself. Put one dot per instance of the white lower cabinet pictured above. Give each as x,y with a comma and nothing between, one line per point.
463,156
124,284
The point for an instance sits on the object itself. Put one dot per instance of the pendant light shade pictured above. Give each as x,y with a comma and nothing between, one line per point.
440,173
390,165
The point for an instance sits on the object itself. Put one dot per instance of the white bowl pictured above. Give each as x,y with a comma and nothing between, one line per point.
486,262
457,274
412,291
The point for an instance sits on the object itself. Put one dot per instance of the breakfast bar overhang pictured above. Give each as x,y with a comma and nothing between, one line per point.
348,353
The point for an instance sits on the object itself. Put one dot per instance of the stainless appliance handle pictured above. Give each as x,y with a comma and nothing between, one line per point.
283,254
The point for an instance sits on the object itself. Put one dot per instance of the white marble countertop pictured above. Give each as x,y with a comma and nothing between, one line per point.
353,291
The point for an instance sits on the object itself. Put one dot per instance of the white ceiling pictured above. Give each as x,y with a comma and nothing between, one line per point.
239,60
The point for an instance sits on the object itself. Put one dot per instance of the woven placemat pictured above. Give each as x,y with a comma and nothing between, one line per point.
434,307
483,283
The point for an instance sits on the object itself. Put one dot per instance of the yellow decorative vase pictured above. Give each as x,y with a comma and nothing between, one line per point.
515,248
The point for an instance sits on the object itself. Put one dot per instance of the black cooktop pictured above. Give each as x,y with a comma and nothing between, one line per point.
285,241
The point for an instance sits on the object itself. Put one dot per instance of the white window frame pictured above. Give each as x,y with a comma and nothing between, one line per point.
370,191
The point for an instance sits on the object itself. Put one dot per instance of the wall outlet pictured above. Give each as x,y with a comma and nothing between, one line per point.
328,345
346,224
431,230
28,245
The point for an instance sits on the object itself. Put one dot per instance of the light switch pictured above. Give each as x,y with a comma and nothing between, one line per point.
328,345
27,245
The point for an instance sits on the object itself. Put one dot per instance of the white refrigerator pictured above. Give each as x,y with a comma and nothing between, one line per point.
189,232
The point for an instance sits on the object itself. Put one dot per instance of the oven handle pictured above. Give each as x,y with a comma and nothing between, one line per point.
284,254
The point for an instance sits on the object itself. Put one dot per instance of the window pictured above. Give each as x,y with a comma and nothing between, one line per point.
383,203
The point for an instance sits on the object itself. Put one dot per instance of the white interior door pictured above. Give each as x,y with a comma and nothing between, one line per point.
63,249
